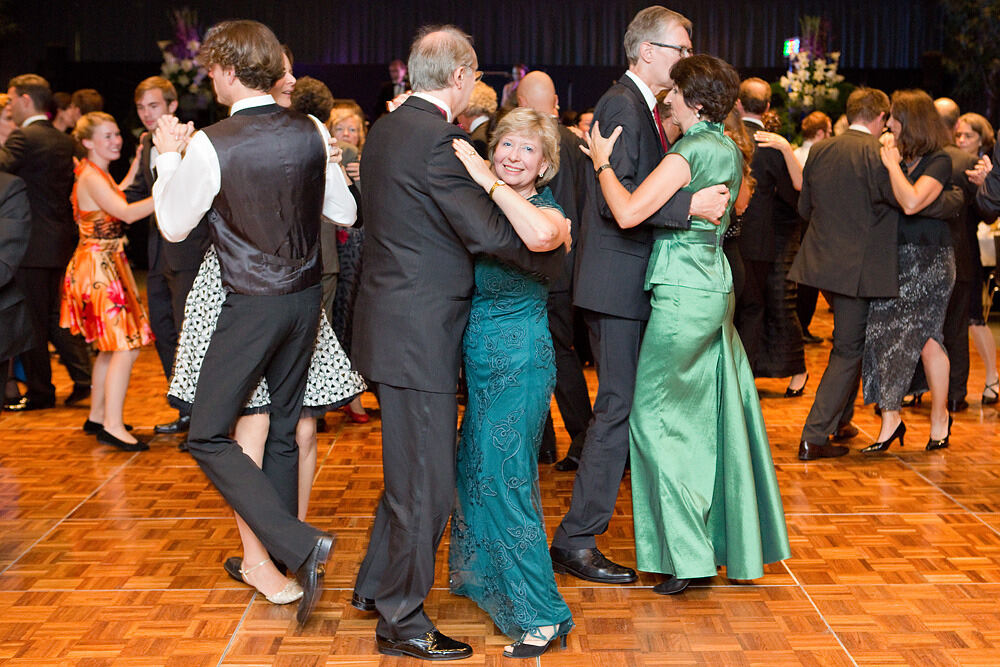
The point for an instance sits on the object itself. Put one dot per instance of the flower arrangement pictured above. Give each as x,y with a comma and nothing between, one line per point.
180,59
812,79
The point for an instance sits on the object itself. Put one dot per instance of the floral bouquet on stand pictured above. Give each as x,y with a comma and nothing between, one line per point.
180,61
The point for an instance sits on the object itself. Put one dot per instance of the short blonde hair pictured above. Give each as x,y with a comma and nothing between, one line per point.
342,113
483,101
523,120
88,122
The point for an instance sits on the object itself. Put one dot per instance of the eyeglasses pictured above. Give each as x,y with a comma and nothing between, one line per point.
685,51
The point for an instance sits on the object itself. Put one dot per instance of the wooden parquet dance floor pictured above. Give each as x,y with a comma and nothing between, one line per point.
110,558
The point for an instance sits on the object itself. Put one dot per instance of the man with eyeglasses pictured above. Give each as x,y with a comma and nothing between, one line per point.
609,278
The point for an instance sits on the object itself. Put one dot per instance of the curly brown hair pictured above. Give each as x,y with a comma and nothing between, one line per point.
249,47
708,81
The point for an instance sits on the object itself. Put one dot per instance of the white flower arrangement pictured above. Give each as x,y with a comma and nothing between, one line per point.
180,58
811,80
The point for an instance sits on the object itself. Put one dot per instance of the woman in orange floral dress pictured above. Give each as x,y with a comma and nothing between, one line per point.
99,297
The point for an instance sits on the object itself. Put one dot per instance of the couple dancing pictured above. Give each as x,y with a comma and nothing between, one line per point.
442,260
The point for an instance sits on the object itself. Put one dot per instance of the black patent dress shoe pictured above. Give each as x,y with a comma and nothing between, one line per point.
567,465
310,576
92,428
106,438
362,603
795,393
429,646
232,566
671,586
80,393
590,565
547,456
179,425
845,432
961,405
810,451
810,339
25,404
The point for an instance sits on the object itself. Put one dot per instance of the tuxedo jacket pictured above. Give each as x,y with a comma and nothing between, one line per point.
570,191
772,206
988,197
183,256
963,226
611,262
480,139
15,229
850,246
385,95
43,157
425,222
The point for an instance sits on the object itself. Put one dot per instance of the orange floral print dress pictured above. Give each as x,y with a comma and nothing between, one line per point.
100,299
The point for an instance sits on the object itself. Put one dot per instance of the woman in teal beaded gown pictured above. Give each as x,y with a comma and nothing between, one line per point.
499,551
704,491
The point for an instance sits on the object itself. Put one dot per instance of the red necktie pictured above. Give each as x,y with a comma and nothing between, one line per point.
659,128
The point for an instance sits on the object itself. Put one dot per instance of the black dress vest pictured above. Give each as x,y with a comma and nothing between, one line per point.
265,220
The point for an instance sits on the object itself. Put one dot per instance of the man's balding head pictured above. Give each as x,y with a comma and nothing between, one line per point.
755,96
536,91
949,112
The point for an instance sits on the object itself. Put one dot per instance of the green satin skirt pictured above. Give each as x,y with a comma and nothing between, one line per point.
704,491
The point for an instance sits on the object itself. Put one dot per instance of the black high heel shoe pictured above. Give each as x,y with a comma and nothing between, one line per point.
876,447
915,399
933,444
994,393
794,393
521,650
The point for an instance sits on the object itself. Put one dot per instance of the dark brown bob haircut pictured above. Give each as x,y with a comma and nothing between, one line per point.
921,131
249,47
708,81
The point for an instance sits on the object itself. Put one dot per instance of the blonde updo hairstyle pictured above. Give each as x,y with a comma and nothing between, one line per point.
87,125
529,122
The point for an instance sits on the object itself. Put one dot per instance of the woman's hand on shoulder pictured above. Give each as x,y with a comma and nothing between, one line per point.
474,164
771,140
599,147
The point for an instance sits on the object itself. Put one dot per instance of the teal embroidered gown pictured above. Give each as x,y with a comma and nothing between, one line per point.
704,491
499,553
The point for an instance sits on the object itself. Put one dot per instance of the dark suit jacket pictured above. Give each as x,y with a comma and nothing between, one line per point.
425,221
15,229
570,191
611,262
850,246
385,95
963,226
988,196
43,156
772,206
183,256
480,139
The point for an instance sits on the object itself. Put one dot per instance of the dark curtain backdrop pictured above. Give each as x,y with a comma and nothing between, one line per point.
748,33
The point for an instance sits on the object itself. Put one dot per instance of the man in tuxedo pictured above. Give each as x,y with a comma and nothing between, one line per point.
608,283
15,228
769,222
850,251
263,176
425,220
172,266
43,157
537,91
397,84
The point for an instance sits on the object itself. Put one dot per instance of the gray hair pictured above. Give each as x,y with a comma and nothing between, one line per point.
437,51
646,27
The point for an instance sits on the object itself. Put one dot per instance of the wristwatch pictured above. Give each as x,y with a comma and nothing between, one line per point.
496,184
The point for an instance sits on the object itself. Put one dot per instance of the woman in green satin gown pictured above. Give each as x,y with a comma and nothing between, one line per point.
704,491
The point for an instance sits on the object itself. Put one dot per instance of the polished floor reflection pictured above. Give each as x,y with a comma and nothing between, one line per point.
111,558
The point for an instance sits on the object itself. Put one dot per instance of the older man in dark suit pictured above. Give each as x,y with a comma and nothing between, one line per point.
849,250
15,219
426,219
608,283
43,157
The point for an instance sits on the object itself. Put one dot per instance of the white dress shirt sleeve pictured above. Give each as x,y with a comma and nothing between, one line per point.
185,189
339,206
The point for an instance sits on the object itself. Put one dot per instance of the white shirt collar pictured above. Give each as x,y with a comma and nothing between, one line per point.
31,119
755,121
436,101
647,94
477,122
250,102
859,127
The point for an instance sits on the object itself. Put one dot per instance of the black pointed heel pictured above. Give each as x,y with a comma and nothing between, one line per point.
874,448
794,393
933,444
915,399
521,650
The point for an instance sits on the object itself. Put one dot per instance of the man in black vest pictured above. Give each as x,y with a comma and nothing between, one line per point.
610,273
263,175
172,266
43,157
425,220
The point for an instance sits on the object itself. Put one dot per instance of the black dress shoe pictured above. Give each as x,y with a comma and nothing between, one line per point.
80,392
25,404
567,465
93,427
547,456
362,603
429,646
960,405
106,438
671,586
310,576
232,566
845,432
179,425
810,339
795,393
591,565
810,451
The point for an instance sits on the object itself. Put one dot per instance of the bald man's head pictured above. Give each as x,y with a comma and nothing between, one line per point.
755,96
948,110
536,91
